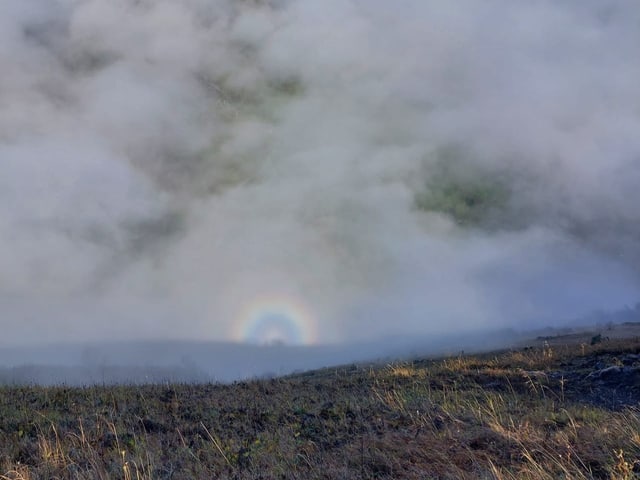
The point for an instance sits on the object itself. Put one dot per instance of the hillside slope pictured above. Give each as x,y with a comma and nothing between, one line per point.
547,410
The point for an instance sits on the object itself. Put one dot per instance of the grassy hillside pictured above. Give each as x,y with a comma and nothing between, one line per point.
543,411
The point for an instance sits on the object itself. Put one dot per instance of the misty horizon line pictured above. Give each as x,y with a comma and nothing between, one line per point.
138,362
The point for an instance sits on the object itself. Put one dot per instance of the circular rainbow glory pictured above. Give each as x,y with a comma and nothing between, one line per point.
275,319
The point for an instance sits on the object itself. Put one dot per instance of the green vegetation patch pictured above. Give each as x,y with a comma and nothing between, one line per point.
476,202
472,195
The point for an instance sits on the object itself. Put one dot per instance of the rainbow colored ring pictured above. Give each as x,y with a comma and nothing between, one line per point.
270,319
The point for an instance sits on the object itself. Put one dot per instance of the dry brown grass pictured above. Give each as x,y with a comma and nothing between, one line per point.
522,414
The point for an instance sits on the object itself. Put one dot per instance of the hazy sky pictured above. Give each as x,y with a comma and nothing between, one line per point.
171,168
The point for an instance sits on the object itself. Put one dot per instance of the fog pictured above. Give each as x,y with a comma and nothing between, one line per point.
191,169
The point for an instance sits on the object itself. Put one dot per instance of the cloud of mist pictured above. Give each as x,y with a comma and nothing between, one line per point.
413,167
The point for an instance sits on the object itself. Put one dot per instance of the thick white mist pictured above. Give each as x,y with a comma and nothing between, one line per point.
165,163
